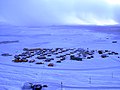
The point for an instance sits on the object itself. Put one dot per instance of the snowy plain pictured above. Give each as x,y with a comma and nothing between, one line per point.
94,74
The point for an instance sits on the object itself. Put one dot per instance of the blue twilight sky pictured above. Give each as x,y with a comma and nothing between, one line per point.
40,12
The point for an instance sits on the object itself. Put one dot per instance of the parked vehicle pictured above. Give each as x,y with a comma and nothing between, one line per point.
33,86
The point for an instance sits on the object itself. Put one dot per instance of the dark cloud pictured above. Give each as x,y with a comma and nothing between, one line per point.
39,12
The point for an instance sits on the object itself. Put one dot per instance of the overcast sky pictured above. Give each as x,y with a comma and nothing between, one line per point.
38,12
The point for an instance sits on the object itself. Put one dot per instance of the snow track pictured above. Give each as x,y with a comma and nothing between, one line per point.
85,69
92,88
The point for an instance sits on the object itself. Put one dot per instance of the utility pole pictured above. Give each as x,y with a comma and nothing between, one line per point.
112,74
61,86
90,80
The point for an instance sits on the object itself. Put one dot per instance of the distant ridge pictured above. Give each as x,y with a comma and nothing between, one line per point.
98,27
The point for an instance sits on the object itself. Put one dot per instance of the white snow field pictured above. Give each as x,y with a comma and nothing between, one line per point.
93,74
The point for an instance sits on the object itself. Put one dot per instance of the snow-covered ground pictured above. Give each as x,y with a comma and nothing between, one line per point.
94,74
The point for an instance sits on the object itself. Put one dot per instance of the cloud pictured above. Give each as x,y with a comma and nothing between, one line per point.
42,12
117,13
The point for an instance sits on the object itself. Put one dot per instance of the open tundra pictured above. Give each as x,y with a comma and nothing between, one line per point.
89,74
